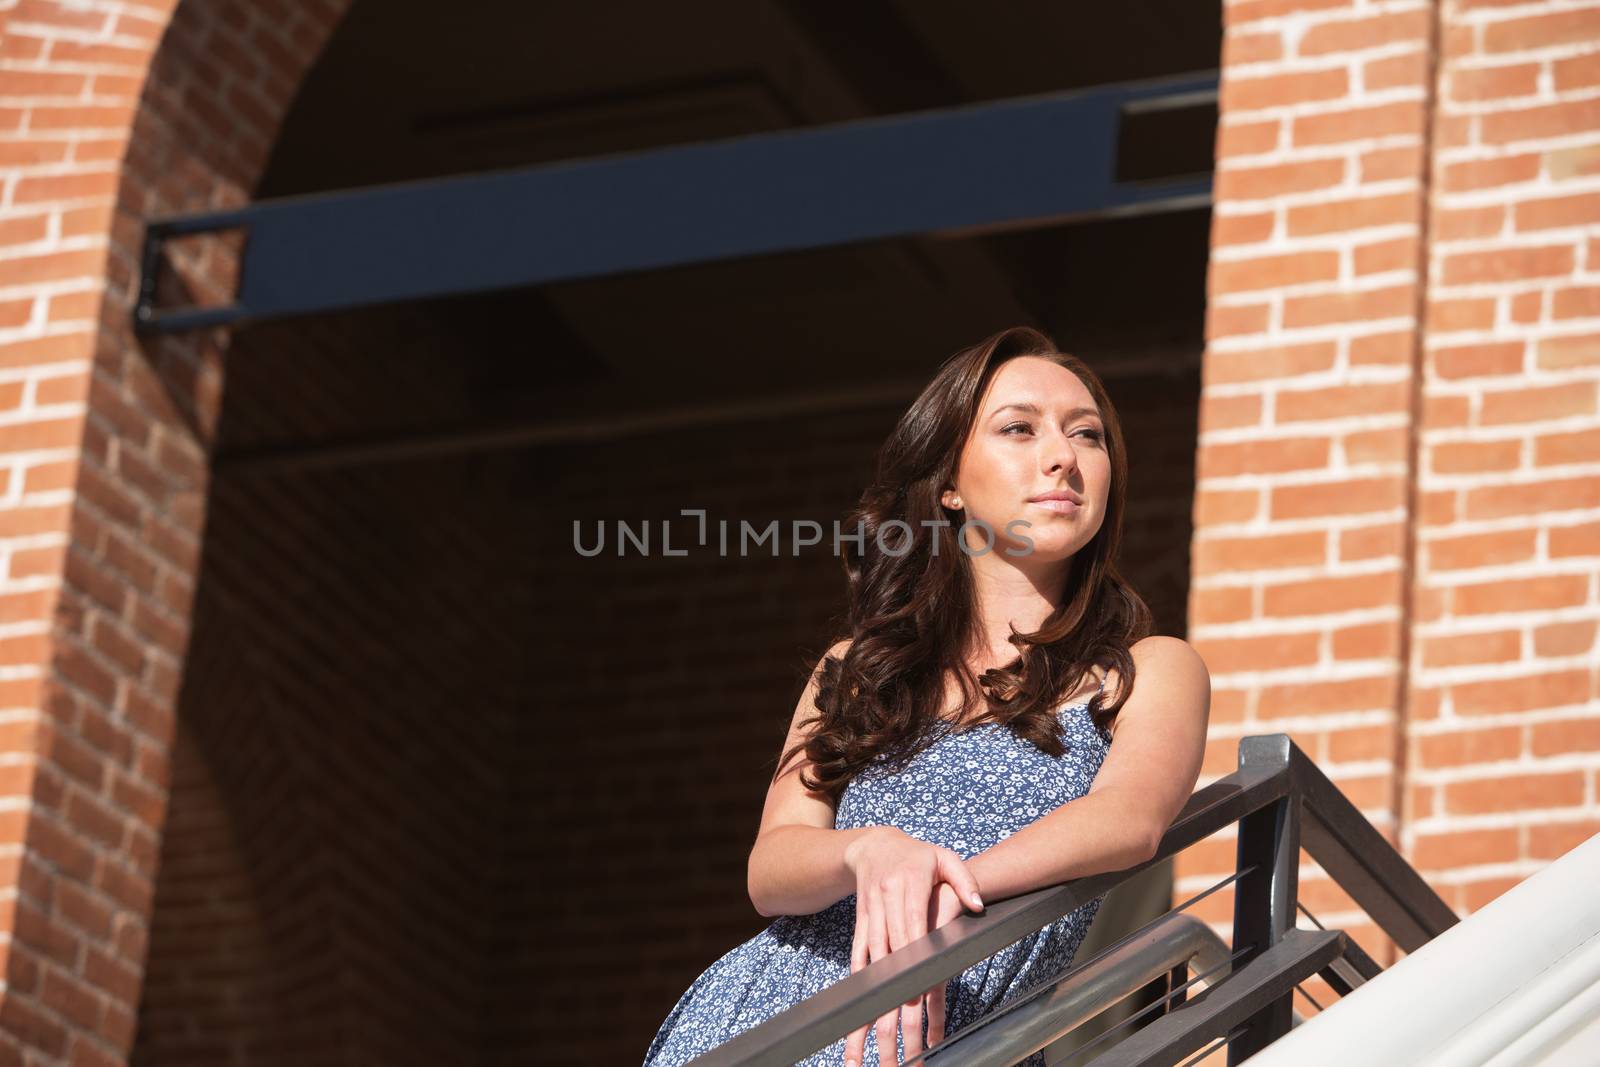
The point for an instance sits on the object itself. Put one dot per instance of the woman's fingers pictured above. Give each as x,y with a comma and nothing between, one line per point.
935,1000
855,1046
948,907
915,904
953,870
877,948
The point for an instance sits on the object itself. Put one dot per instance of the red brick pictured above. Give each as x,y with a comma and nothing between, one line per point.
1453,650
1487,173
1550,841
1342,401
1507,264
1357,306
1535,498
1481,550
1236,321
1464,848
1577,72
1543,30
1325,698
1533,123
1577,350
1269,456
1355,213
1515,793
1582,446
1566,639
1251,47
1527,307
1399,253
1267,272
1360,124
1564,163
1388,164
1576,303
1581,539
1287,361
1228,412
1354,35
1464,314
1237,14
1473,361
1475,457
1325,595
1468,222
1396,72
1582,210
1260,183
1493,83
1229,230
1374,640
1219,605
1283,90
1354,496
1489,744
1228,654
1247,138
1213,555
1500,407
1544,593
1388,349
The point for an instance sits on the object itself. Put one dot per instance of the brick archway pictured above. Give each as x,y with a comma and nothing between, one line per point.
118,115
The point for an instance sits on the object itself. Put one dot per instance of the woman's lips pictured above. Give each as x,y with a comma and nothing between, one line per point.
1064,507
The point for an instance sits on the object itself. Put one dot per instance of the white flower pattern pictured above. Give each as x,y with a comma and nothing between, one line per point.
967,791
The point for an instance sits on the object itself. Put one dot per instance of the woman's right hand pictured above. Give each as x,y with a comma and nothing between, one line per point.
898,878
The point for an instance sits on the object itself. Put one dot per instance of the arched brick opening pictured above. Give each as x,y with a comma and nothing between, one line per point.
143,110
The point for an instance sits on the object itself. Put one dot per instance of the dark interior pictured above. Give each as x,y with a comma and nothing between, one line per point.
445,791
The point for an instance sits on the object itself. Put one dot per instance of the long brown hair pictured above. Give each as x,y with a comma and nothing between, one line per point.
912,608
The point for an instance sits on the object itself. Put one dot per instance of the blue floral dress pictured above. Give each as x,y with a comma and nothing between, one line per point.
969,790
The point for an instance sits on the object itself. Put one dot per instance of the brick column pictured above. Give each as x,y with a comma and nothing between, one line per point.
1505,745
103,443
1304,493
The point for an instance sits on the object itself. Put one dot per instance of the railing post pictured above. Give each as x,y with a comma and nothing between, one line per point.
1264,899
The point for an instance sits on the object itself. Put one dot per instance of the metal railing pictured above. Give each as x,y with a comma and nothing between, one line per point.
1281,802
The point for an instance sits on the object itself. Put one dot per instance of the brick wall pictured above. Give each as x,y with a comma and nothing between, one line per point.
1399,186
1504,742
102,473
1301,552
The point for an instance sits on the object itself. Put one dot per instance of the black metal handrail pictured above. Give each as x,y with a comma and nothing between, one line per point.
1282,802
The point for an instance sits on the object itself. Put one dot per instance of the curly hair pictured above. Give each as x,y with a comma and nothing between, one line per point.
912,607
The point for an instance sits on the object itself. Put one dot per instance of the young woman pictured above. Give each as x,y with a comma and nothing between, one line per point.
999,718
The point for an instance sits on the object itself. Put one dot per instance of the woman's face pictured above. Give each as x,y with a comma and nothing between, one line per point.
1038,431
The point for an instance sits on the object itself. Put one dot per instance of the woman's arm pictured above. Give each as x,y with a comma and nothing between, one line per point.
1148,775
797,869
797,866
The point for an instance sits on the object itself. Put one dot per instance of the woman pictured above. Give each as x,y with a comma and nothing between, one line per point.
998,720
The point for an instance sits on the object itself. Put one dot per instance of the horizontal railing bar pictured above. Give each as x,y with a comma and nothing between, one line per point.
1217,1010
1086,991
932,960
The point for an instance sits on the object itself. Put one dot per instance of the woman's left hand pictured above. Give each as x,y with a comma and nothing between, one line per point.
943,905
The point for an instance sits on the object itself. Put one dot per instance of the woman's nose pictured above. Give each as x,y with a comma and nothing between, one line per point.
1060,454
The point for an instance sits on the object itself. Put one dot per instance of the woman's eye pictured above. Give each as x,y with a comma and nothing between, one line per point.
1015,426
1094,435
